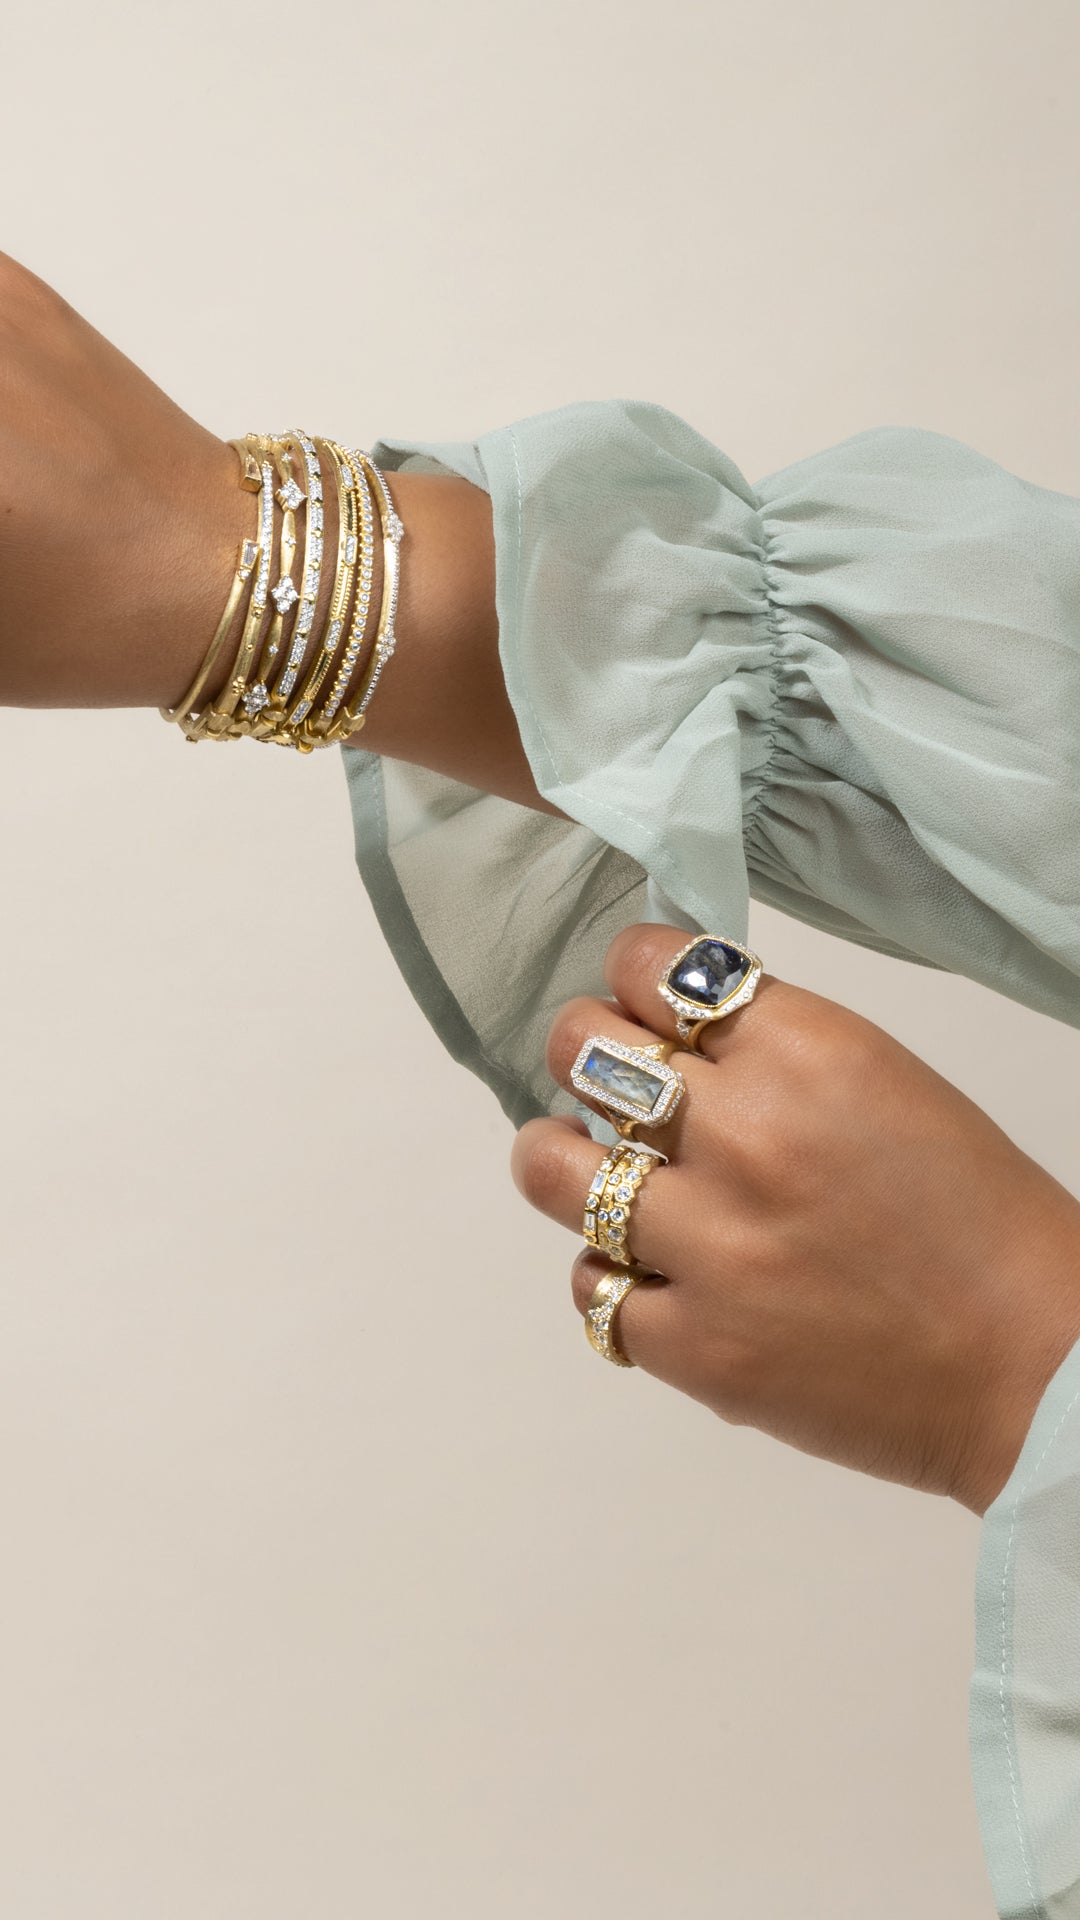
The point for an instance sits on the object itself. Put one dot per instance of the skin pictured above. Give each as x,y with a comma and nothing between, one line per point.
856,1258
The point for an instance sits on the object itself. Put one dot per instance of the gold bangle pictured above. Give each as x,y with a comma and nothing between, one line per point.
320,723
341,595
352,716
290,496
208,723
247,555
312,572
269,721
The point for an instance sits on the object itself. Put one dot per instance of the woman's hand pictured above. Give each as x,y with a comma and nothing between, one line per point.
857,1259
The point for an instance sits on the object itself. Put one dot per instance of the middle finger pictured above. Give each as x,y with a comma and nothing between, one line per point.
586,1018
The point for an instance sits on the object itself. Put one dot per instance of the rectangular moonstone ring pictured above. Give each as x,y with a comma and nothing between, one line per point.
634,1085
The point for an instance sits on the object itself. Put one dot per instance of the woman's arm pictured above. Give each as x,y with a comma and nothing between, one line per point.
120,519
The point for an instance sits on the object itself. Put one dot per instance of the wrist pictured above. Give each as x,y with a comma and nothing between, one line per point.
1043,1286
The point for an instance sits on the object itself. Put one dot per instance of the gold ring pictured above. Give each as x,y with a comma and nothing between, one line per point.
634,1085
609,1199
607,1297
705,981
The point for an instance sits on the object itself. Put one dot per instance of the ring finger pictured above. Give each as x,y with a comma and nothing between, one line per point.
553,1166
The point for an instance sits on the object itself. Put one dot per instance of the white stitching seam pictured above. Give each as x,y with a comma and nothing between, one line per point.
1037,1905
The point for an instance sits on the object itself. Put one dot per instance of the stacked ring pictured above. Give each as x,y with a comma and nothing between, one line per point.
707,980
610,1197
608,1295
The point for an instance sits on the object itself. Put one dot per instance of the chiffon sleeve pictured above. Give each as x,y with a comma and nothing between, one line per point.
851,691
1024,1702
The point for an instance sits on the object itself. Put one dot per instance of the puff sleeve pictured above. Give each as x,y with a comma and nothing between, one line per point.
851,691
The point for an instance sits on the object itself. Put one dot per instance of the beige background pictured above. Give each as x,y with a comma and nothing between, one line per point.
303,1614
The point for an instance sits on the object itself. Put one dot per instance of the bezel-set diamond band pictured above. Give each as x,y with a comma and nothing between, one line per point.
614,1188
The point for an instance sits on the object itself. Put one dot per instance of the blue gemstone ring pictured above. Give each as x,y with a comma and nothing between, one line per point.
634,1085
707,980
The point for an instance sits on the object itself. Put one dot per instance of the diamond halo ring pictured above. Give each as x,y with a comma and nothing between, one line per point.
705,981
634,1085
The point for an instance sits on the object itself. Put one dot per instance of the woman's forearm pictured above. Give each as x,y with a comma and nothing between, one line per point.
120,520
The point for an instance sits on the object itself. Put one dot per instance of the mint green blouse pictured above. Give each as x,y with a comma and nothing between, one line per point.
805,691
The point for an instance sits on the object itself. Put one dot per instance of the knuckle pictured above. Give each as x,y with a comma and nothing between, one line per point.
566,1036
635,956
544,1168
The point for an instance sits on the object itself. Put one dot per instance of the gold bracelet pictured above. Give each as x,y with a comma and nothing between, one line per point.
267,713
312,573
342,592
246,558
353,715
269,722
320,724
208,724
290,496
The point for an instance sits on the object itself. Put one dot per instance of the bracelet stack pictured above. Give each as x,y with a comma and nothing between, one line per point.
290,684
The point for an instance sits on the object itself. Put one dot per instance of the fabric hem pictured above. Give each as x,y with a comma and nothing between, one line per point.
1003,1825
425,981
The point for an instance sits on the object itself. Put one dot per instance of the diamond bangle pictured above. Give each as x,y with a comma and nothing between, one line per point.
352,717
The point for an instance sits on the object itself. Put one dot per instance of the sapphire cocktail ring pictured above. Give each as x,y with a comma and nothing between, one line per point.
634,1085
707,980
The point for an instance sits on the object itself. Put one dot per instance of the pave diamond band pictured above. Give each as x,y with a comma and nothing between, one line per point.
608,1295
611,1195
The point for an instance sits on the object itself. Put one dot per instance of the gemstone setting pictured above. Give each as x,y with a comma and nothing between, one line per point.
627,1080
708,979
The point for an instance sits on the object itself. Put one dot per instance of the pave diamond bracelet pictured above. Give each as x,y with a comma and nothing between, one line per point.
363,594
342,593
352,716
249,703
290,496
